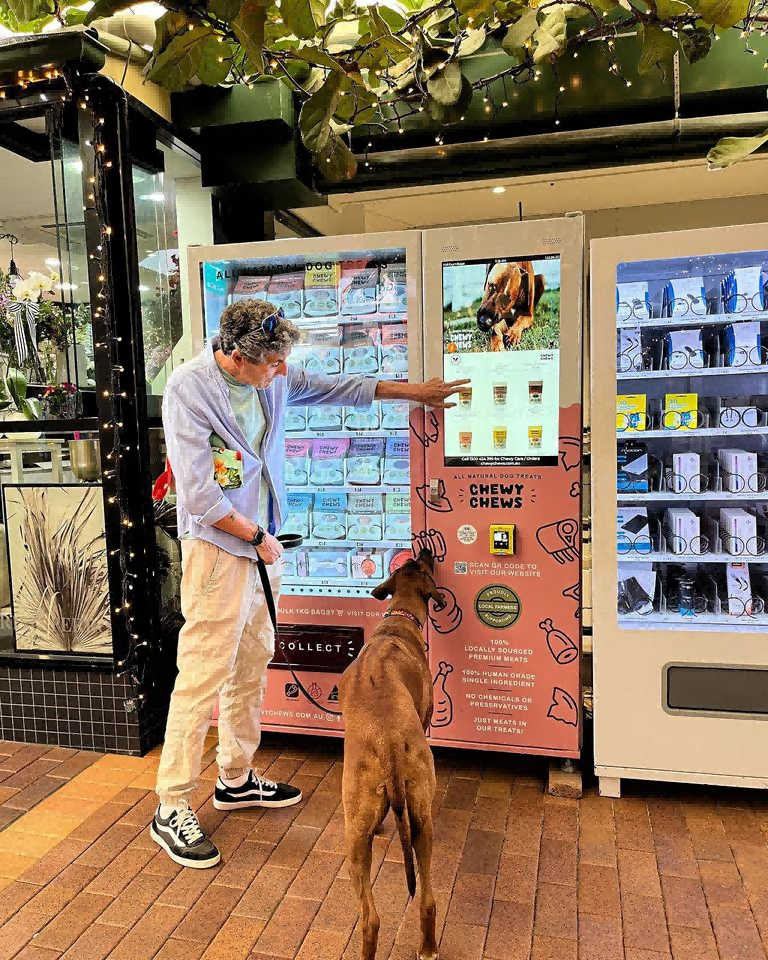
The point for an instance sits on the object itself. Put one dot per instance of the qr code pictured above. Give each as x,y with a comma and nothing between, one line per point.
460,566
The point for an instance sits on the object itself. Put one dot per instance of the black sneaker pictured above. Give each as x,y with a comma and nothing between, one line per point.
255,792
183,840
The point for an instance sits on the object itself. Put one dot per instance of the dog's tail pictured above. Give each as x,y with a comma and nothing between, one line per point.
395,789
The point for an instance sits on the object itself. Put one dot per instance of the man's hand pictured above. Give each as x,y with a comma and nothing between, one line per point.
270,549
435,392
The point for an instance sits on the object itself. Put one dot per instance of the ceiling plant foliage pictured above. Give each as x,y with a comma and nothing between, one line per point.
366,67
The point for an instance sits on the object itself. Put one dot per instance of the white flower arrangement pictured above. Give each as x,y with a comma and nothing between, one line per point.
30,290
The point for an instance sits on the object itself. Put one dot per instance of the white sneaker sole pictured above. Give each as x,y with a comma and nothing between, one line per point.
248,804
182,861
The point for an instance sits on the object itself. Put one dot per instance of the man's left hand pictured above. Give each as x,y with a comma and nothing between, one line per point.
435,392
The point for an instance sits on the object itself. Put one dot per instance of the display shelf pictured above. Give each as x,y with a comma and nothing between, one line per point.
343,434
358,588
347,488
636,557
680,434
360,544
690,497
337,319
692,373
308,584
669,323
705,622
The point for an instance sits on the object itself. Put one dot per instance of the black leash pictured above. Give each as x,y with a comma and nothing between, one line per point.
273,616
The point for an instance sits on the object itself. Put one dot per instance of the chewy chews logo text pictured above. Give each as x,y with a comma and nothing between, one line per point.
496,496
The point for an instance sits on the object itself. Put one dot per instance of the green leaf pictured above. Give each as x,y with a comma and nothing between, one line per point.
100,10
445,86
316,113
671,8
519,34
696,44
552,35
166,28
16,385
249,30
317,57
26,11
457,111
303,17
732,150
74,17
658,48
472,42
357,105
211,72
226,10
336,162
181,59
394,20
723,13
31,409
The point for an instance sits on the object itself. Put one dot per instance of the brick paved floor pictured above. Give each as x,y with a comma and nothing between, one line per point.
668,871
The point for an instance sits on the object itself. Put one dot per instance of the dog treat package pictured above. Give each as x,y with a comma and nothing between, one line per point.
327,469
359,287
365,516
393,288
286,292
296,462
363,418
321,351
295,419
360,346
299,512
395,415
688,298
329,516
321,289
331,564
397,516
250,288
364,460
324,418
394,348
370,564
396,463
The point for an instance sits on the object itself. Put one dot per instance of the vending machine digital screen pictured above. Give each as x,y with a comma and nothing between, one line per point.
501,330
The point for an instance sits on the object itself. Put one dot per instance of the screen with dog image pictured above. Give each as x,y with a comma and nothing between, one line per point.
501,329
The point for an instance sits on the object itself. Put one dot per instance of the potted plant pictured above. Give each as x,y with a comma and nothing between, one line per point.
60,400
66,329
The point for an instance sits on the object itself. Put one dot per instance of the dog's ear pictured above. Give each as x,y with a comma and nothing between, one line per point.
540,285
385,589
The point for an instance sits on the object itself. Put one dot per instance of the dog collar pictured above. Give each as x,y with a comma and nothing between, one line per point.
408,616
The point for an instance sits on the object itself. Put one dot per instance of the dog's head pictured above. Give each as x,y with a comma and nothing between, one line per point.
500,295
415,580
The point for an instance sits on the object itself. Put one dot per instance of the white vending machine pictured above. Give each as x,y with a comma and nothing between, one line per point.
680,506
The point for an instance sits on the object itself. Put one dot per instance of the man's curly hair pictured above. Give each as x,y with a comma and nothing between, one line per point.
240,326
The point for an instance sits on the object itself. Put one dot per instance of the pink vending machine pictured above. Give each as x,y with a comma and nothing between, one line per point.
502,490
354,476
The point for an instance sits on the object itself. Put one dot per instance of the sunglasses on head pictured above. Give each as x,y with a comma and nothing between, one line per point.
269,323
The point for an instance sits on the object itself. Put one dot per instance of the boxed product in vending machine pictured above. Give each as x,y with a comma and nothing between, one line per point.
394,348
360,347
295,419
299,513
297,462
329,516
397,519
322,351
370,564
393,288
321,289
250,288
396,462
363,418
395,414
364,460
330,564
365,516
359,287
286,292
632,466
327,464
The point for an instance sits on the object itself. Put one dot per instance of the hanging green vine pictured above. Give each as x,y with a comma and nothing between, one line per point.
372,65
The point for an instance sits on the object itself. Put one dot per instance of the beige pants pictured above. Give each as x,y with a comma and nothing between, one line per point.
224,648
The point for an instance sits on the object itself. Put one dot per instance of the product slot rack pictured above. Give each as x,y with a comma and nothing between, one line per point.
693,372
357,588
660,551
359,544
671,497
342,488
708,320
686,434
343,434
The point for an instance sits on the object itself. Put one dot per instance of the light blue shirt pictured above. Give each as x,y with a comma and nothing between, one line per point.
196,404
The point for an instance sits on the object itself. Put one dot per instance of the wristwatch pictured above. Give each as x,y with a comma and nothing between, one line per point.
258,537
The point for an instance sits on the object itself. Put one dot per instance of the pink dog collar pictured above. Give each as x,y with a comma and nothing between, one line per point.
408,616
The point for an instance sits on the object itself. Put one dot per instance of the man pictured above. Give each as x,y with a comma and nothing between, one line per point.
233,397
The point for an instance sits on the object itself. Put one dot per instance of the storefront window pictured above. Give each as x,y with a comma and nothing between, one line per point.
159,274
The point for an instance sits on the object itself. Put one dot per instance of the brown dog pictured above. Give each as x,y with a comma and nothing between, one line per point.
386,700
509,300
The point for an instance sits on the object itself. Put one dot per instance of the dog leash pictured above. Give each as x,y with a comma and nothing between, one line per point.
273,617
